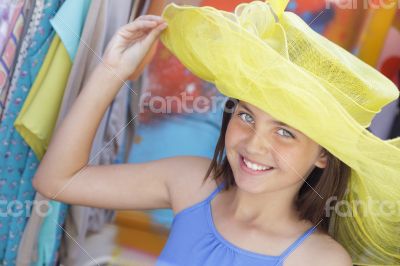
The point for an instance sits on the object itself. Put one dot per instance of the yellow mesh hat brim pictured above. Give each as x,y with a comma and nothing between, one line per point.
248,59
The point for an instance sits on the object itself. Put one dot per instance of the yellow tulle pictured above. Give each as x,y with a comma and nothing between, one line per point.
275,61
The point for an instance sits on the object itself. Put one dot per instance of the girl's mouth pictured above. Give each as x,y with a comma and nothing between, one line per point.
252,168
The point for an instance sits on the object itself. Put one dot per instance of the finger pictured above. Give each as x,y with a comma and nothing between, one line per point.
139,25
131,26
151,17
152,36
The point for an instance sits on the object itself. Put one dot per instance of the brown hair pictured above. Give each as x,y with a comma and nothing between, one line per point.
328,182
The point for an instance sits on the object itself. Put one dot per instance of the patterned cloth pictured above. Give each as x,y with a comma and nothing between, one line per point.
17,162
12,20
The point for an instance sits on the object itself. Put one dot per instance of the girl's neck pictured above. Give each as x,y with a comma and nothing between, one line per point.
272,209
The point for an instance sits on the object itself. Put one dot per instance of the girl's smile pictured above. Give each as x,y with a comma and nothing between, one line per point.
253,168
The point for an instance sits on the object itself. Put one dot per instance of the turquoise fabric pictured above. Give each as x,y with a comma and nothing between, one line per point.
50,234
68,23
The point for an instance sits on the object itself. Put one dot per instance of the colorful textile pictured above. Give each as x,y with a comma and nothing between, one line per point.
12,21
18,162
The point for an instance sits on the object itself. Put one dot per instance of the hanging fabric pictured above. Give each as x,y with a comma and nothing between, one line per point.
13,18
18,164
68,23
37,120
103,19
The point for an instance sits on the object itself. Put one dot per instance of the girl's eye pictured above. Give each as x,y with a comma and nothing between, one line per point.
246,117
285,133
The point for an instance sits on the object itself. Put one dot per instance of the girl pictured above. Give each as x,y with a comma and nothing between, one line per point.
240,215
260,201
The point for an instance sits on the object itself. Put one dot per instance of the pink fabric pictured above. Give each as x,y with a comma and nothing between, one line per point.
12,23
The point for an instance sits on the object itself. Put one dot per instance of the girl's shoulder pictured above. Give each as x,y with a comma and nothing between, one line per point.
189,187
319,249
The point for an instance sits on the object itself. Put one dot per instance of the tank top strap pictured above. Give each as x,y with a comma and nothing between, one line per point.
297,243
216,191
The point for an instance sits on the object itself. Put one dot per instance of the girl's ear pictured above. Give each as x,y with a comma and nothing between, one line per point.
322,159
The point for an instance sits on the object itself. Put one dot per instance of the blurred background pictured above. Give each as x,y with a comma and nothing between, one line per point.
47,50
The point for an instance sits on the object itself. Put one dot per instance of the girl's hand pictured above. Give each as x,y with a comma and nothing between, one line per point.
129,46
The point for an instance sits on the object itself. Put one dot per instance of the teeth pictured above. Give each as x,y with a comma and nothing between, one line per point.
254,166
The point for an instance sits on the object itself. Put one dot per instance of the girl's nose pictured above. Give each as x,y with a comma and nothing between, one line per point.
257,145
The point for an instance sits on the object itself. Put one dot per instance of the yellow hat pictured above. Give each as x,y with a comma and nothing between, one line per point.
273,60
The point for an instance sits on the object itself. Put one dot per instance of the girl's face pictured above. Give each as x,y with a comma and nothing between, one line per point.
267,155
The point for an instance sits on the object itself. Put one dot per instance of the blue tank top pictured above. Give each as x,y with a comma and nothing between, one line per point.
194,240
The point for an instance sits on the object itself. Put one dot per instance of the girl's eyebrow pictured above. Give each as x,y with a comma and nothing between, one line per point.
243,105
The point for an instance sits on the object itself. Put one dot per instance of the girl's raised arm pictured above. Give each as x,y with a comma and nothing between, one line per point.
63,174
